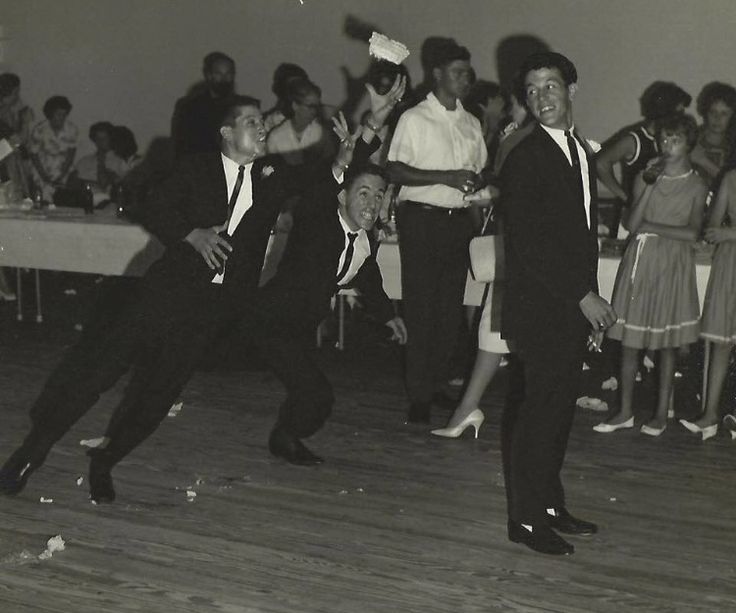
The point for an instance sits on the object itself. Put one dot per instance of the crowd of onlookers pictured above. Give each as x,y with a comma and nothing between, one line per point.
702,171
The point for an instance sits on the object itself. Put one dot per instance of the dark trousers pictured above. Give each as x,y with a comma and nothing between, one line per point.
434,267
289,353
160,335
535,431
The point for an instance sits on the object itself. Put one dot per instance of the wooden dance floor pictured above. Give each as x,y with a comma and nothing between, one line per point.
394,521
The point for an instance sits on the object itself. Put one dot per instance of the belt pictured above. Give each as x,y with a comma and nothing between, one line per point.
438,209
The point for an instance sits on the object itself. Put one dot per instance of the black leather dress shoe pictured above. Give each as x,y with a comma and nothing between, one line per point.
285,445
418,413
540,538
101,488
14,473
563,522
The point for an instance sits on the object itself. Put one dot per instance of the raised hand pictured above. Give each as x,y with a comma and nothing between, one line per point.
347,140
383,104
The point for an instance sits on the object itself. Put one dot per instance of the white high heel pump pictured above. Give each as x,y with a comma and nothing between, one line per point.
474,418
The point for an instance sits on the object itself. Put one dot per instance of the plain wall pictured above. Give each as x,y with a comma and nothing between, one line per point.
127,61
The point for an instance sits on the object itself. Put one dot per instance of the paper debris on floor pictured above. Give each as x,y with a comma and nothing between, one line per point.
594,404
647,361
610,384
585,366
175,409
70,292
92,443
43,500
54,544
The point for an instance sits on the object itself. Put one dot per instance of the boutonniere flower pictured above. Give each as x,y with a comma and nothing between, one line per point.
267,171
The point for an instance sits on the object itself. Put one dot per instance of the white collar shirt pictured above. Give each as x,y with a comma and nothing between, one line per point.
361,251
431,137
559,137
244,201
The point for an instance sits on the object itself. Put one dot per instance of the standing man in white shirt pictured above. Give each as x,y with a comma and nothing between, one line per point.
551,300
437,154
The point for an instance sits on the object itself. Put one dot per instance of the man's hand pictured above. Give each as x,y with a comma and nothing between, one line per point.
347,141
210,245
466,181
597,311
383,104
719,235
399,330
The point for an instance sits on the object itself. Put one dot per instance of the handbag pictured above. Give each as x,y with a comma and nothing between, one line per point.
484,264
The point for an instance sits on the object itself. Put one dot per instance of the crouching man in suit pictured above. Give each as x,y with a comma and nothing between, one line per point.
330,248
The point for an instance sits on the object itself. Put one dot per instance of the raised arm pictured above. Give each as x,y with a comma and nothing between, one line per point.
619,151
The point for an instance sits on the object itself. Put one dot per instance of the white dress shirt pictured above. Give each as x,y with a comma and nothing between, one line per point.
430,137
245,197
559,137
361,251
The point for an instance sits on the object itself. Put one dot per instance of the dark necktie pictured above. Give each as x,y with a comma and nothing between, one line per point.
235,194
575,158
348,256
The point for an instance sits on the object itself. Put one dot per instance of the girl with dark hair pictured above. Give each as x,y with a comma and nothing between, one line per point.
718,324
656,295
716,105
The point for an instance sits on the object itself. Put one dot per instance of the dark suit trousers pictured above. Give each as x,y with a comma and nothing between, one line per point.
161,335
535,431
434,267
290,354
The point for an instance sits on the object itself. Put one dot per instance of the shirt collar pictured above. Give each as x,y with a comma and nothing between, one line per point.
556,133
346,229
232,165
435,104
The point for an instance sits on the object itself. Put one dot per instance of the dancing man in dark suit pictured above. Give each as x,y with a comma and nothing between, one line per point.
551,300
214,215
330,248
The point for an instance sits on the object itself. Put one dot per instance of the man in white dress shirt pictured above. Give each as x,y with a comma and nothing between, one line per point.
437,154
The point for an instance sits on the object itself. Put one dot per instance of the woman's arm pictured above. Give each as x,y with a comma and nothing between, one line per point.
642,195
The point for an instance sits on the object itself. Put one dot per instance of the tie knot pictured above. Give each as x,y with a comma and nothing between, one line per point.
352,236
241,170
568,133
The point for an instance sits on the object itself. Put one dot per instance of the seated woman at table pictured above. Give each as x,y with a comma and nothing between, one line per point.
716,105
718,324
656,295
125,148
52,147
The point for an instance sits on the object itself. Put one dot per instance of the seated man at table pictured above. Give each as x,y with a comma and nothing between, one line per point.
330,248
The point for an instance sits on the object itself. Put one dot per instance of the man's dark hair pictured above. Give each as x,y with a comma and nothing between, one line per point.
355,172
100,126
229,108
679,123
212,58
446,51
56,103
661,99
713,92
8,82
549,59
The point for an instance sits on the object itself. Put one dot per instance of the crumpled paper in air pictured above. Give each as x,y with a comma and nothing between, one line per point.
55,543
594,404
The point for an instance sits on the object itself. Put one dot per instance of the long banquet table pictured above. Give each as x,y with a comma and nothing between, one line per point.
69,240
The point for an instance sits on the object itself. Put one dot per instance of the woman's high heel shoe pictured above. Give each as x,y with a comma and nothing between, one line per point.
474,418
706,433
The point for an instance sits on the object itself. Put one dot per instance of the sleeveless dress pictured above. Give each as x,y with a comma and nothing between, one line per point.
719,311
656,294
